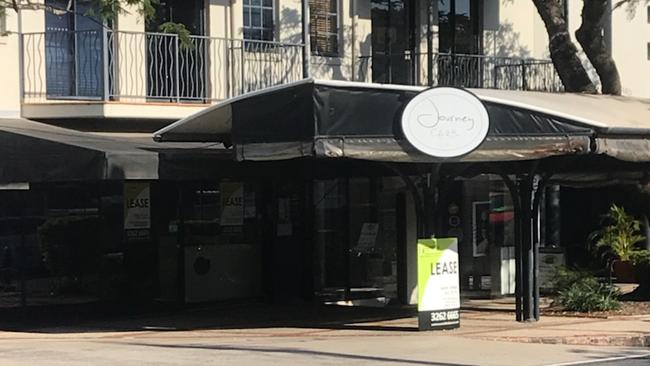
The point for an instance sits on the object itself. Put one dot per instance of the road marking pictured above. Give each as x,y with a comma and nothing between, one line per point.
620,358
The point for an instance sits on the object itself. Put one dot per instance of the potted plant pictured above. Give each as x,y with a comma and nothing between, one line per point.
618,239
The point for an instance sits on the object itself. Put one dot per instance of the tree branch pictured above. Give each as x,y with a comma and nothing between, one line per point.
563,52
590,35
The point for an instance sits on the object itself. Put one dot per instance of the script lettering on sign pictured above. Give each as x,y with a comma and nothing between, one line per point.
445,122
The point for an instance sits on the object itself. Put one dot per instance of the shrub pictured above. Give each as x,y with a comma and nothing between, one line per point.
581,291
641,258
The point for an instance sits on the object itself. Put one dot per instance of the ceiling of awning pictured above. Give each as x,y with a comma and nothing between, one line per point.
37,152
362,121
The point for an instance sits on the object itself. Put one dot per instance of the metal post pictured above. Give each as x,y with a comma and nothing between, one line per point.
105,63
23,251
306,47
525,191
242,87
524,83
430,43
21,59
177,70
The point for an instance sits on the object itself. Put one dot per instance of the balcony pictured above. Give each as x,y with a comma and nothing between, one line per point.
100,73
117,74
462,70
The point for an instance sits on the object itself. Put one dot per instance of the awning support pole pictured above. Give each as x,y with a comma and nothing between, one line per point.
526,197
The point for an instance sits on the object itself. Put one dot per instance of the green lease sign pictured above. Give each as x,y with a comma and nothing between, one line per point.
438,284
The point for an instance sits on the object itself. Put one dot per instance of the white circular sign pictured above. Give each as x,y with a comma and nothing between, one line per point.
445,122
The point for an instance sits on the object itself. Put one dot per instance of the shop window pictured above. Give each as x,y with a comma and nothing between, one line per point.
648,46
323,24
258,20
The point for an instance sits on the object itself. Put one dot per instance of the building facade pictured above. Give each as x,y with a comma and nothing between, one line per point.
233,230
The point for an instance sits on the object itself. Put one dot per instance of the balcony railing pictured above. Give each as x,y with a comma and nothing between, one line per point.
461,70
132,66
159,67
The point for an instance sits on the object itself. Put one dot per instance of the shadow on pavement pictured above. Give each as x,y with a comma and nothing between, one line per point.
222,316
299,351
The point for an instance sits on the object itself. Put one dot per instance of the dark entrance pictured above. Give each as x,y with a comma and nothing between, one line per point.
176,69
460,28
393,41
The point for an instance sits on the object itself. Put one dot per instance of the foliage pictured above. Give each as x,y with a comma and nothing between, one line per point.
181,31
641,258
71,245
581,291
620,234
564,277
104,9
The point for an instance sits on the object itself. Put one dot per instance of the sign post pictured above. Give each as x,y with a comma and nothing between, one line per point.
438,284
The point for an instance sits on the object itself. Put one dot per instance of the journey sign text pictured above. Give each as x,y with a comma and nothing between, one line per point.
445,122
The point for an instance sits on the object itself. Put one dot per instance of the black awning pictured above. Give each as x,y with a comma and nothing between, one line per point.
362,121
37,152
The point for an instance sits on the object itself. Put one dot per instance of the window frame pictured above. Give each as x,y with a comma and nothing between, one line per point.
247,9
315,35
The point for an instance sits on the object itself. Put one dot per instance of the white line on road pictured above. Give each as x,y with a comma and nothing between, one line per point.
620,358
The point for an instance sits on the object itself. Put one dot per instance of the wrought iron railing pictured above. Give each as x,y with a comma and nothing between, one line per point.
132,66
470,71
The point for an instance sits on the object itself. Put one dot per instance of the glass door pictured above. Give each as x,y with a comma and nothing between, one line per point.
175,68
393,41
460,29
73,51
355,241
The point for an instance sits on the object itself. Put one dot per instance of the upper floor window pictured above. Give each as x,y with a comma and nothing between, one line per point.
323,24
258,20
648,14
459,26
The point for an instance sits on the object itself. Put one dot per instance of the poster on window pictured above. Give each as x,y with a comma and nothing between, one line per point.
480,228
137,209
438,284
368,237
232,204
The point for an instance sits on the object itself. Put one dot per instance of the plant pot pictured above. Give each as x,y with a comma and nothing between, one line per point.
625,272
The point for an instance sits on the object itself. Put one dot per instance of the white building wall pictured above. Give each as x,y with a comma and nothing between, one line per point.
630,39
10,90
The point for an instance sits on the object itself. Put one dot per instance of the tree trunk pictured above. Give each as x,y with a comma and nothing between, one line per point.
591,38
563,52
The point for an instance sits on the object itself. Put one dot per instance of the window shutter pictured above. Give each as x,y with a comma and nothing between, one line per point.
324,27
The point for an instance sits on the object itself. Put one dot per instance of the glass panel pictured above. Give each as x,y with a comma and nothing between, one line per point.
59,51
267,21
330,246
391,32
256,18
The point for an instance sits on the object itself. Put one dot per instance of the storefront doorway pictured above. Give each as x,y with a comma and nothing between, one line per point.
355,240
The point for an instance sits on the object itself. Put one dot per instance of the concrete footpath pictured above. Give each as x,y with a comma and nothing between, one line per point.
267,320
257,334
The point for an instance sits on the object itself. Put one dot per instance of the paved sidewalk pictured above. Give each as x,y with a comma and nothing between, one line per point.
257,320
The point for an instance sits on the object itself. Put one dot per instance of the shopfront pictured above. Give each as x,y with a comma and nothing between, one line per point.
369,191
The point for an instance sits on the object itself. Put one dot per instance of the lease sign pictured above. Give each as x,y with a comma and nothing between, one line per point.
438,284
137,206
